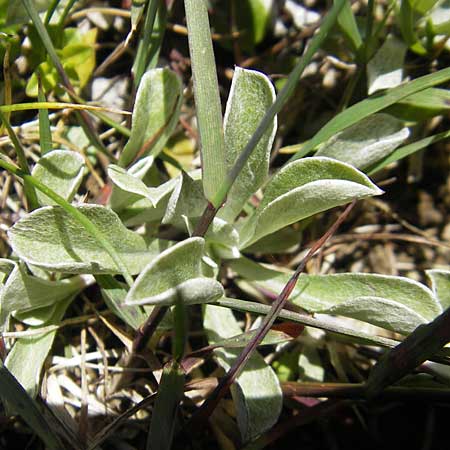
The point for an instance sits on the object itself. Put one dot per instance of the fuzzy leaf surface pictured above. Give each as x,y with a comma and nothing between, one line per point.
365,143
61,171
155,114
303,188
257,393
52,239
251,95
440,284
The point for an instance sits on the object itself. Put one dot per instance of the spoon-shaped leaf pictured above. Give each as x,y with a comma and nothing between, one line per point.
52,239
303,188
257,394
155,114
251,95
367,142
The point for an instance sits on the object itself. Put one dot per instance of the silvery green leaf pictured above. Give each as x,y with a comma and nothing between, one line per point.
114,293
134,185
440,284
310,365
251,94
385,69
224,239
26,358
61,171
396,303
52,239
302,188
256,393
365,143
155,114
171,268
24,292
186,201
190,292
285,240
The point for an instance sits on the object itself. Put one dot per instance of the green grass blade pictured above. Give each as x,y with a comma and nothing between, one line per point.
80,217
140,62
45,134
15,395
30,193
207,98
164,418
370,106
282,97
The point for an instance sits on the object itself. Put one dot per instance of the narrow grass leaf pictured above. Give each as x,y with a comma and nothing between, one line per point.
419,346
45,134
16,397
372,105
257,393
251,95
164,418
347,23
366,142
422,105
303,188
52,239
61,171
207,98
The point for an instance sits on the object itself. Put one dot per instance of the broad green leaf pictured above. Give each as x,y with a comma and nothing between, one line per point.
385,69
395,303
303,188
191,292
349,27
52,239
132,184
403,152
186,201
61,171
256,393
273,337
423,105
155,114
423,6
24,292
365,143
164,420
223,238
114,293
27,357
371,105
285,240
440,283
251,94
167,272
310,365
